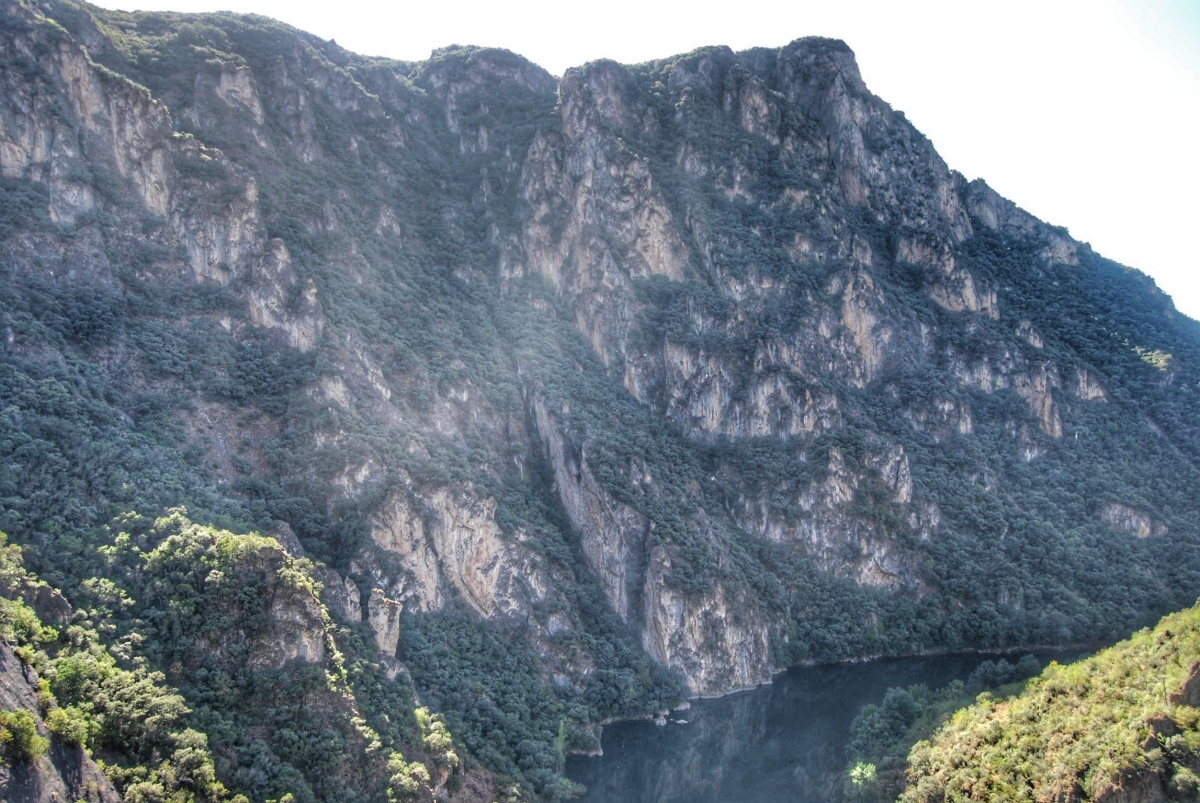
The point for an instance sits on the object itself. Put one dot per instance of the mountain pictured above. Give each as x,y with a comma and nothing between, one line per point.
561,400
1121,725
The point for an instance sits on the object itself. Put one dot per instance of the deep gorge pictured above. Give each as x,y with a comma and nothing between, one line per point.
407,420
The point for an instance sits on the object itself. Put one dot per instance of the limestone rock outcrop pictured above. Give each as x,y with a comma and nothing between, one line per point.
717,641
1131,520
709,363
384,616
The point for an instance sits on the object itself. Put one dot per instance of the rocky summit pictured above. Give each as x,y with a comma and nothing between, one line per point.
386,427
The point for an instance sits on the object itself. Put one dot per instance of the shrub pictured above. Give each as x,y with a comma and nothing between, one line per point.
19,738
69,724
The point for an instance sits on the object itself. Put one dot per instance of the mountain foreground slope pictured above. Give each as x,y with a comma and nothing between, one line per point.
1120,725
561,400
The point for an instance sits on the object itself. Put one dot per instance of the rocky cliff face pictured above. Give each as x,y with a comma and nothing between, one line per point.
65,772
709,363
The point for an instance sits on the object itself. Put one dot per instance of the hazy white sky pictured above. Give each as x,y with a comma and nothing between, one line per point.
1084,112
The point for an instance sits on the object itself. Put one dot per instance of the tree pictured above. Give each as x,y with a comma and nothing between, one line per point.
862,781
19,738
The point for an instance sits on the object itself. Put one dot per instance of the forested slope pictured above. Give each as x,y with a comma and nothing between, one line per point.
569,397
1121,725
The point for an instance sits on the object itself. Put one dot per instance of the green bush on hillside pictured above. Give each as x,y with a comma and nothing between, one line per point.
1122,717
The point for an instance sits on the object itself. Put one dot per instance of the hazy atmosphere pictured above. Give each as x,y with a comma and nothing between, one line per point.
385,418
1083,113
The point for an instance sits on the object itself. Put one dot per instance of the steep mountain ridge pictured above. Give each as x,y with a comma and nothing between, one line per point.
671,374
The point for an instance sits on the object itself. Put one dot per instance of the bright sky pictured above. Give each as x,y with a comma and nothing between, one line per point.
1084,112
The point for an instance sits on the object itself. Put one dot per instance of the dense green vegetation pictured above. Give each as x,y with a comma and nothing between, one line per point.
19,738
270,721
131,389
129,718
109,446
881,735
1124,719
